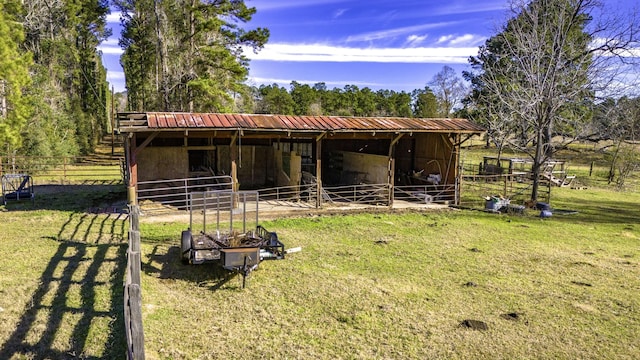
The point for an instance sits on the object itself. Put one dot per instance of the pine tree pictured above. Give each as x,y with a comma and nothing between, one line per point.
186,55
14,77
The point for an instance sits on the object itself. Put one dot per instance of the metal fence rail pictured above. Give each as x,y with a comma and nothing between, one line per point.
224,208
298,195
169,195
366,194
426,194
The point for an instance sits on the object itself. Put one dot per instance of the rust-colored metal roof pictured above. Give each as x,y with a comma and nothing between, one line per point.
178,120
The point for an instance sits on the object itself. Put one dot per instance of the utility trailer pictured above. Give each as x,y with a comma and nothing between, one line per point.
222,235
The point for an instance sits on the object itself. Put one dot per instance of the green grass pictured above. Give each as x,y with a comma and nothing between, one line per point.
61,279
364,286
396,286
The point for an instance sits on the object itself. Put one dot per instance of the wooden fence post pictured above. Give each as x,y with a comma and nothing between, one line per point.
134,218
505,186
136,350
132,294
64,169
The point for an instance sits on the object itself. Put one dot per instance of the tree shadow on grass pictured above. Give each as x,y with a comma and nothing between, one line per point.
600,211
90,196
167,264
73,299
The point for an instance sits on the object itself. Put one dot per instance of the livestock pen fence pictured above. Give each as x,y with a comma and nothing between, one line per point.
167,196
66,170
132,293
477,188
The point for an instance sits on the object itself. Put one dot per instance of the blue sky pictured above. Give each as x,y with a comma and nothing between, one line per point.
397,45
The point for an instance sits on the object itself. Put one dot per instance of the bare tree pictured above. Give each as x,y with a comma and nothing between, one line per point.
543,72
619,121
449,90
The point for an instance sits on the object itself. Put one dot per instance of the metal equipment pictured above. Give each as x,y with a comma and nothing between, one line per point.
17,187
236,248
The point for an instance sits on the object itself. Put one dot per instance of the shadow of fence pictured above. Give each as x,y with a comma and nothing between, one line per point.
79,294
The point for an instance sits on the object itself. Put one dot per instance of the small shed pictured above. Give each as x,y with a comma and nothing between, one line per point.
257,151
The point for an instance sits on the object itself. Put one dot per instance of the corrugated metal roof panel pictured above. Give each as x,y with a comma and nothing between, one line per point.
160,120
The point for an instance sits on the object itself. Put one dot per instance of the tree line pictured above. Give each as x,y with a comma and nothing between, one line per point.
317,99
187,55
556,68
53,89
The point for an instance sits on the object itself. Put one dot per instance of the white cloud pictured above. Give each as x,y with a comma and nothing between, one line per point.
390,33
115,75
444,38
454,8
630,52
415,40
110,42
338,13
284,82
328,53
110,47
114,17
467,40
461,41
116,80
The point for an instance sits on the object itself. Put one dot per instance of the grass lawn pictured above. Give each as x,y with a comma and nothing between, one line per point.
61,276
404,285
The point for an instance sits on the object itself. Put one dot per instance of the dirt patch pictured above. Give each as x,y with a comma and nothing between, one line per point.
513,316
474,325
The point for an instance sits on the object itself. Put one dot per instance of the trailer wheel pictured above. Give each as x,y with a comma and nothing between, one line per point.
185,246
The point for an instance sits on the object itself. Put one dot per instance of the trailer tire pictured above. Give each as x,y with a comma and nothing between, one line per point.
185,246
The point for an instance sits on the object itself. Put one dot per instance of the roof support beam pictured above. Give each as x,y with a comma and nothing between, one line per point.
233,152
146,142
319,171
321,136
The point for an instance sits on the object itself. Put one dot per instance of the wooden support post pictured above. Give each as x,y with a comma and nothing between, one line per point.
133,169
458,185
233,153
319,171
392,168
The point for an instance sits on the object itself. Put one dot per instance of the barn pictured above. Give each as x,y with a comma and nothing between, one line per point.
312,159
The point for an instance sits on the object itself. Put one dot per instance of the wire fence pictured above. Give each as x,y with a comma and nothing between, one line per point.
66,170
479,191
